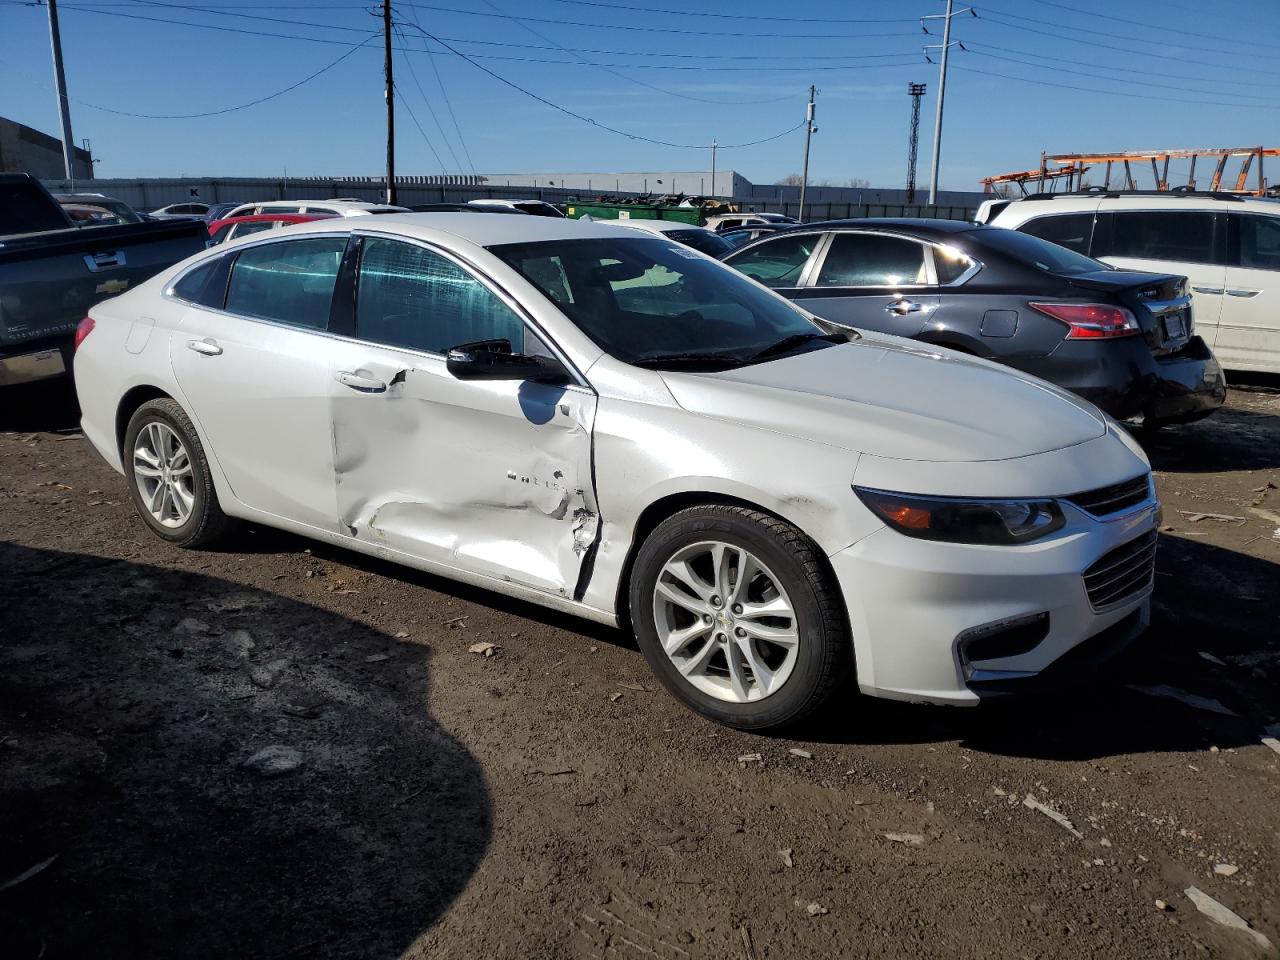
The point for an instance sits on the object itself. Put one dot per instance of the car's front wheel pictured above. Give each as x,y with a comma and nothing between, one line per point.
169,476
739,617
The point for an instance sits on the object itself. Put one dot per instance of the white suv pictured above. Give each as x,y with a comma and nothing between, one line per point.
331,208
1228,246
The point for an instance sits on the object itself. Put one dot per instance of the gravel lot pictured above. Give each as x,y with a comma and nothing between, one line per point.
549,801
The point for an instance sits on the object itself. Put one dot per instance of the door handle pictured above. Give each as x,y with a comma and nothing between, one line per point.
902,307
356,382
1217,290
1243,293
208,347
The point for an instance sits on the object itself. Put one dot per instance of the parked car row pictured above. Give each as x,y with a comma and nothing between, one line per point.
1227,245
639,434
1122,339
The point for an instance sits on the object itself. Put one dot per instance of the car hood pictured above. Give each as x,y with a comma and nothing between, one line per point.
895,398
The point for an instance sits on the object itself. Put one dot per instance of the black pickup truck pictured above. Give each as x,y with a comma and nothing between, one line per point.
52,272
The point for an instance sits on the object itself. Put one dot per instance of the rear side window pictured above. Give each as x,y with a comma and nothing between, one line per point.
778,262
1070,230
1179,236
252,226
872,260
413,298
1256,243
191,287
703,241
289,282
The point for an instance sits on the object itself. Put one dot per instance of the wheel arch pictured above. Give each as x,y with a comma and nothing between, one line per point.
668,506
129,404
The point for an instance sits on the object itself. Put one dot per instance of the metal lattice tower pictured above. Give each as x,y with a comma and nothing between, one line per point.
916,91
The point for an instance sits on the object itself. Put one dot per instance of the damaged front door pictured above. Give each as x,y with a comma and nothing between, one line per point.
490,477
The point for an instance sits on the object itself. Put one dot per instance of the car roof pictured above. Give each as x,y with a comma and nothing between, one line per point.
481,231
655,226
906,224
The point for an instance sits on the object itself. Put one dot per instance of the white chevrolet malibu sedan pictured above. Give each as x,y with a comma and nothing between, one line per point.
620,427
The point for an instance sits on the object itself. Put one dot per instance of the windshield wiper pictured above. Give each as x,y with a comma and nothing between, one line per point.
787,344
728,359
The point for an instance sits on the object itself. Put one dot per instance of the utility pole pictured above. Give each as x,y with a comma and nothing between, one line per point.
713,168
915,91
942,89
60,85
391,105
809,131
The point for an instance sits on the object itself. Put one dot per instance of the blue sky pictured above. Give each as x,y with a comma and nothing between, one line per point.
1056,75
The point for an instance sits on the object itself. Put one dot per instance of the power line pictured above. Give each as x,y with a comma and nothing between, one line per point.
771,35
448,105
430,145
1196,48
974,46
734,16
596,123
1142,83
622,76
244,31
239,106
1057,35
1147,25
1105,93
427,100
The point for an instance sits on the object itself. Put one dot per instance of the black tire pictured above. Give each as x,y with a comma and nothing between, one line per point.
207,523
824,656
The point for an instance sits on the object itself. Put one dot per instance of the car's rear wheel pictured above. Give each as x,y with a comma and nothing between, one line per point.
739,617
169,476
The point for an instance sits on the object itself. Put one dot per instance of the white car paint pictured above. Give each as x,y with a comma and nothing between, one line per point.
1237,309
506,485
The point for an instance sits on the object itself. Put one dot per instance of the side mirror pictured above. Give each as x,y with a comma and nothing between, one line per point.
493,360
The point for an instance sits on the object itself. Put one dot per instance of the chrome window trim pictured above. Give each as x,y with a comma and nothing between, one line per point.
931,270
488,282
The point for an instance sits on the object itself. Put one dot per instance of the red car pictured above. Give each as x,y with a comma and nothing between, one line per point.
233,227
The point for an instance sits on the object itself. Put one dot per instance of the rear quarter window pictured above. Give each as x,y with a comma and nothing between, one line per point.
1071,230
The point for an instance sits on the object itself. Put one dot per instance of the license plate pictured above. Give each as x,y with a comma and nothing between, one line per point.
1173,328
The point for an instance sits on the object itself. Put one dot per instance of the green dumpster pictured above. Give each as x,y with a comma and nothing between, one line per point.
633,211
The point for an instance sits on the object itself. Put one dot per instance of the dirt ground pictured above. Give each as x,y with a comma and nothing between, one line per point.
551,802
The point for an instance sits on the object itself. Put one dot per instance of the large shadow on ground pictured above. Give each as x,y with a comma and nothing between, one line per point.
130,697
1207,600
47,405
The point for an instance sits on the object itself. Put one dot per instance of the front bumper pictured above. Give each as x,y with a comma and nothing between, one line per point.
914,604
1123,378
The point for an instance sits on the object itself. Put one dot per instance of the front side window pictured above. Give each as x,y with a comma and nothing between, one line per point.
1257,241
648,302
1179,236
779,262
1070,230
416,299
872,260
290,282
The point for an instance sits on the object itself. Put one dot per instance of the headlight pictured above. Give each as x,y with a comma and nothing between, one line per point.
959,520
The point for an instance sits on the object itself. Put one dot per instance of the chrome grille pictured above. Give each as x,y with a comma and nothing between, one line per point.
1112,499
1123,573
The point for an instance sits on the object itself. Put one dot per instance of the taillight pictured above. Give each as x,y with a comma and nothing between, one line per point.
1092,321
83,329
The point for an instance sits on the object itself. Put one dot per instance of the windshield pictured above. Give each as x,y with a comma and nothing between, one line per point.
1041,254
709,243
646,300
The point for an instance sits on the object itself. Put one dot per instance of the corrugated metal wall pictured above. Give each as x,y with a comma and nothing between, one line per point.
148,194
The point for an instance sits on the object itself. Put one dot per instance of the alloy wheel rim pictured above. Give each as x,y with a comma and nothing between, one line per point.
725,622
162,472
